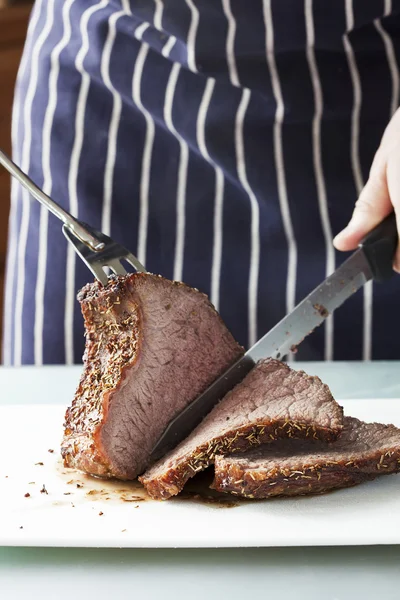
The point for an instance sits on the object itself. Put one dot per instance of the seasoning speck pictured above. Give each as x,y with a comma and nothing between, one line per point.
67,493
40,464
50,450
20,527
123,530
79,485
101,513
27,495
43,490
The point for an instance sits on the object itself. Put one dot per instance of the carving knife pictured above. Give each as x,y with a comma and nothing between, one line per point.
371,261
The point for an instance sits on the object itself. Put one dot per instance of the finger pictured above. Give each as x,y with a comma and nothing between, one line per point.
371,208
393,182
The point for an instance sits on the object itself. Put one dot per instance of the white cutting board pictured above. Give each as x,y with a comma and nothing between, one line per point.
84,512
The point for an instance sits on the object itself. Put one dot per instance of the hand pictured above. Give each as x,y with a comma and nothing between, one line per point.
380,195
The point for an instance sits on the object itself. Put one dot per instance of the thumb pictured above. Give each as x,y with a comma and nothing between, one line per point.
372,206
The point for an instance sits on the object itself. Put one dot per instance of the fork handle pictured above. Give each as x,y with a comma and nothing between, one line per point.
73,224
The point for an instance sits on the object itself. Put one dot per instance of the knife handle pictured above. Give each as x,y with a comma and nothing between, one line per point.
379,247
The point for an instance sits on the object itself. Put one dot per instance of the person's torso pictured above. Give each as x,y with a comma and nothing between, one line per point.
225,142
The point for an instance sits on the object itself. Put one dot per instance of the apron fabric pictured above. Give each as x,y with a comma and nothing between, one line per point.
224,142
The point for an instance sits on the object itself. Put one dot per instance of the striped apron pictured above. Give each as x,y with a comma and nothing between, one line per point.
225,142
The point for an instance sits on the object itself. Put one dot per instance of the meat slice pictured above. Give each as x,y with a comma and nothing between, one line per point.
152,346
272,402
362,452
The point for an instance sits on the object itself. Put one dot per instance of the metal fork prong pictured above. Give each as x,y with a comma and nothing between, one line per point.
116,267
110,258
84,252
99,274
136,264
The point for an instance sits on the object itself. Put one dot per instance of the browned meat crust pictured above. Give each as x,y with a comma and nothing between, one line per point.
363,452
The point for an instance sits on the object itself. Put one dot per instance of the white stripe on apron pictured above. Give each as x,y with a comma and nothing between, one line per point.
25,161
318,168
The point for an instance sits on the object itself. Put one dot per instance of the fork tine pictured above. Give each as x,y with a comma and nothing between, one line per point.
110,257
123,253
116,267
132,260
84,254
99,274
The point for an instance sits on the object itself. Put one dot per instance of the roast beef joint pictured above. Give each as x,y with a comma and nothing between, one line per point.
152,347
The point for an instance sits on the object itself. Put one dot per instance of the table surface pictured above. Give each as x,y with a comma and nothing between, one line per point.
331,573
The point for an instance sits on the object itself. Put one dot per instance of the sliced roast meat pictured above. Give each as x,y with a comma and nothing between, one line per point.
152,346
362,452
272,402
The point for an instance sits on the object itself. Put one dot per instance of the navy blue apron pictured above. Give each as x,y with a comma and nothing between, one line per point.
224,142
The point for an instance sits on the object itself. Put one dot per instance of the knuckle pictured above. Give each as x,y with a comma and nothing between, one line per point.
367,202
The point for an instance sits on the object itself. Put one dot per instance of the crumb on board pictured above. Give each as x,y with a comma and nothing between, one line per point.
133,499
50,450
67,493
123,530
40,464
43,490
101,513
79,485
31,483
27,495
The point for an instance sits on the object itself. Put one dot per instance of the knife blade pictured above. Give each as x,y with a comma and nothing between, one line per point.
373,260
